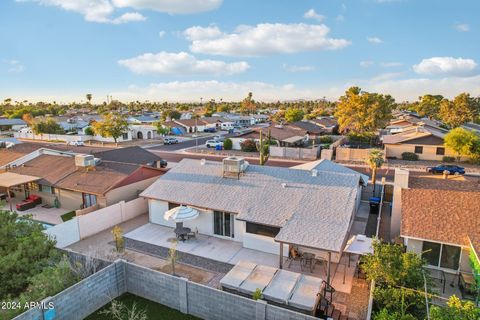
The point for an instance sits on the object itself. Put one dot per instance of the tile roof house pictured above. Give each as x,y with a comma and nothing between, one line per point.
425,141
104,180
439,218
8,125
264,207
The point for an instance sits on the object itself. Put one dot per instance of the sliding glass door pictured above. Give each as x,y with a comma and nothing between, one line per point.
223,224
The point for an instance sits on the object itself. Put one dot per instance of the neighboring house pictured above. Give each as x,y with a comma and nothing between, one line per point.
73,125
143,132
213,122
132,155
426,142
263,208
475,128
191,125
11,125
313,130
328,124
142,119
438,218
285,136
79,181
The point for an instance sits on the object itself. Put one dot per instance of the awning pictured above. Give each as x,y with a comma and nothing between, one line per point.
10,179
181,214
359,244
293,139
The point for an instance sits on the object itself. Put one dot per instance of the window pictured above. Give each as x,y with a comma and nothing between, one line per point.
89,200
172,205
223,224
125,136
46,189
262,230
419,149
431,252
441,255
450,257
440,151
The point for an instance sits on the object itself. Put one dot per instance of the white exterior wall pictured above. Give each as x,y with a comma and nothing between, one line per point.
263,243
414,245
400,182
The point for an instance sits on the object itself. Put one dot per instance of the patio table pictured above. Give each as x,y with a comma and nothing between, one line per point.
308,259
182,232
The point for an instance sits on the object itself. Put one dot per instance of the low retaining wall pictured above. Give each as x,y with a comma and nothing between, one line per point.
295,153
81,227
351,154
188,297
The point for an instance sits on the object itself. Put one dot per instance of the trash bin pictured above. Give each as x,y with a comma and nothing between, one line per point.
374,205
218,147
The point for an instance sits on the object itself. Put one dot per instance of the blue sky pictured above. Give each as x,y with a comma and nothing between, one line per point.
280,50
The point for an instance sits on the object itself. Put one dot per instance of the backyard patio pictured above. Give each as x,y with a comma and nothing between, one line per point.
49,215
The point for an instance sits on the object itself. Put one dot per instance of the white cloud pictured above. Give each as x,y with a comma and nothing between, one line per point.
447,66
202,33
366,63
101,11
161,34
171,6
311,14
263,39
462,27
340,18
392,64
92,10
14,66
181,63
374,40
298,68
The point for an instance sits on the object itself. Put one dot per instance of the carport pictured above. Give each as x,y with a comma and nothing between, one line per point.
10,179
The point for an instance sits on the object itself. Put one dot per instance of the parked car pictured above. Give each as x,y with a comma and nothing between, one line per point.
219,138
209,130
76,143
170,141
450,168
213,143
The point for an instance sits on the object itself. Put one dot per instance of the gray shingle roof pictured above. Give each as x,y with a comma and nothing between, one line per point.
312,211
12,122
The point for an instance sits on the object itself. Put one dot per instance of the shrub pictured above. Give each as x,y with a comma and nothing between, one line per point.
227,144
448,159
89,131
326,139
257,294
409,156
248,146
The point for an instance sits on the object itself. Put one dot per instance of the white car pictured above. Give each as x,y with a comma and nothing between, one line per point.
213,143
76,143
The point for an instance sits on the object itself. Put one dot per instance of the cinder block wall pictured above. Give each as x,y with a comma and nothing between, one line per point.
94,292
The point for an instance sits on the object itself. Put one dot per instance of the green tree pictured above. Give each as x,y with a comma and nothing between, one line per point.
161,128
456,309
384,314
294,114
248,105
24,252
171,114
89,131
112,125
375,160
228,144
362,112
263,148
462,141
47,126
459,111
429,105
89,98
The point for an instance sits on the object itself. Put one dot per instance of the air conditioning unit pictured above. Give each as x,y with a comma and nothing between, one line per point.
234,166
84,160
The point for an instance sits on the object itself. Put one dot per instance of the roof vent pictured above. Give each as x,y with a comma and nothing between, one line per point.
203,161
284,185
314,172
234,166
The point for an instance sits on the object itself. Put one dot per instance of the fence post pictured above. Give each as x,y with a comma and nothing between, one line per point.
260,310
183,295
122,210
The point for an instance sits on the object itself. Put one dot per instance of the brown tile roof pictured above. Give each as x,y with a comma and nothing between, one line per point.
282,133
17,151
325,122
212,120
48,167
442,210
97,180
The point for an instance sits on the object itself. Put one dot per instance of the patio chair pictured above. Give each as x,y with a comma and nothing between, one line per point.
295,255
193,234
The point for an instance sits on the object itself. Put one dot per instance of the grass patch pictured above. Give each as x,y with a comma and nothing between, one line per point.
153,309
68,216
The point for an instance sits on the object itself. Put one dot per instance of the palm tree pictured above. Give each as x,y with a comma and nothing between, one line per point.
89,97
375,160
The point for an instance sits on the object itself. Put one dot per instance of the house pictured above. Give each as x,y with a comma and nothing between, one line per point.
328,124
263,208
76,181
213,122
312,129
11,125
142,119
426,142
284,135
438,218
191,125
